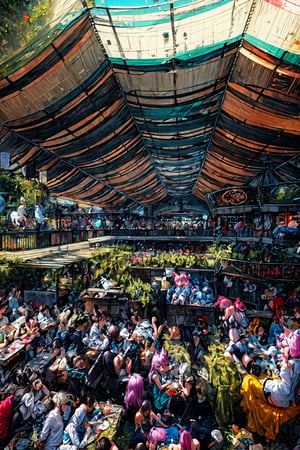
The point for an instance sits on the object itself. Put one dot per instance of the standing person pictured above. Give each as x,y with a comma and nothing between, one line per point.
22,214
39,215
52,433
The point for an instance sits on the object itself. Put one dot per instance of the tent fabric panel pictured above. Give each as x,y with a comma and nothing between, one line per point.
207,27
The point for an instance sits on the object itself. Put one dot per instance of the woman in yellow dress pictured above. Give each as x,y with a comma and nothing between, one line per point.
270,402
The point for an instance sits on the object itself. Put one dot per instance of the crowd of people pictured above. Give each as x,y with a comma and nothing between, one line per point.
95,218
74,368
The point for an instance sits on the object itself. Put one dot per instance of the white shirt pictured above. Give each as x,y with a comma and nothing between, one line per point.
53,430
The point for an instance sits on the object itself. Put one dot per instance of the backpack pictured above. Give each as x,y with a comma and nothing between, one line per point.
96,373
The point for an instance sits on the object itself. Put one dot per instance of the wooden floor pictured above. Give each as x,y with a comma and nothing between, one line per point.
81,249
85,249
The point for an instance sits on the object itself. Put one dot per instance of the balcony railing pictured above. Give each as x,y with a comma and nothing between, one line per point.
272,270
32,239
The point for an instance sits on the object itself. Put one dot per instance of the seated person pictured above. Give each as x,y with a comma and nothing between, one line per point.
147,351
144,412
36,348
3,318
200,333
74,338
75,432
277,326
262,336
97,333
160,380
44,316
22,417
159,435
238,352
186,442
186,383
125,354
258,337
77,368
105,444
51,435
269,404
142,326
3,340
38,390
13,305
31,323
295,320
280,392
6,415
231,323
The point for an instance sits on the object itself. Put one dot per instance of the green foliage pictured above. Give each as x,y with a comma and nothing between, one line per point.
17,186
20,22
10,183
177,351
139,291
220,251
166,260
10,272
225,378
31,189
115,263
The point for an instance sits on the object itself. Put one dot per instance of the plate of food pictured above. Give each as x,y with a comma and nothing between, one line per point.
91,352
104,426
171,392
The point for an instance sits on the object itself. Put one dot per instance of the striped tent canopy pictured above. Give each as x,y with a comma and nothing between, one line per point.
152,102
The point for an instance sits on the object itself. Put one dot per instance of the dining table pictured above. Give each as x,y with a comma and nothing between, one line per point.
11,351
107,425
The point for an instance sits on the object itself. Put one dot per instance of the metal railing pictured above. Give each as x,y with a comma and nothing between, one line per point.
278,270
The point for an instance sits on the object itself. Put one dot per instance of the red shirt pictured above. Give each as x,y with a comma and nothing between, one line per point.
6,414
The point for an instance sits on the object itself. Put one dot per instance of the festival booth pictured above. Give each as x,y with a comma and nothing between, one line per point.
13,332
109,301
52,277
187,314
